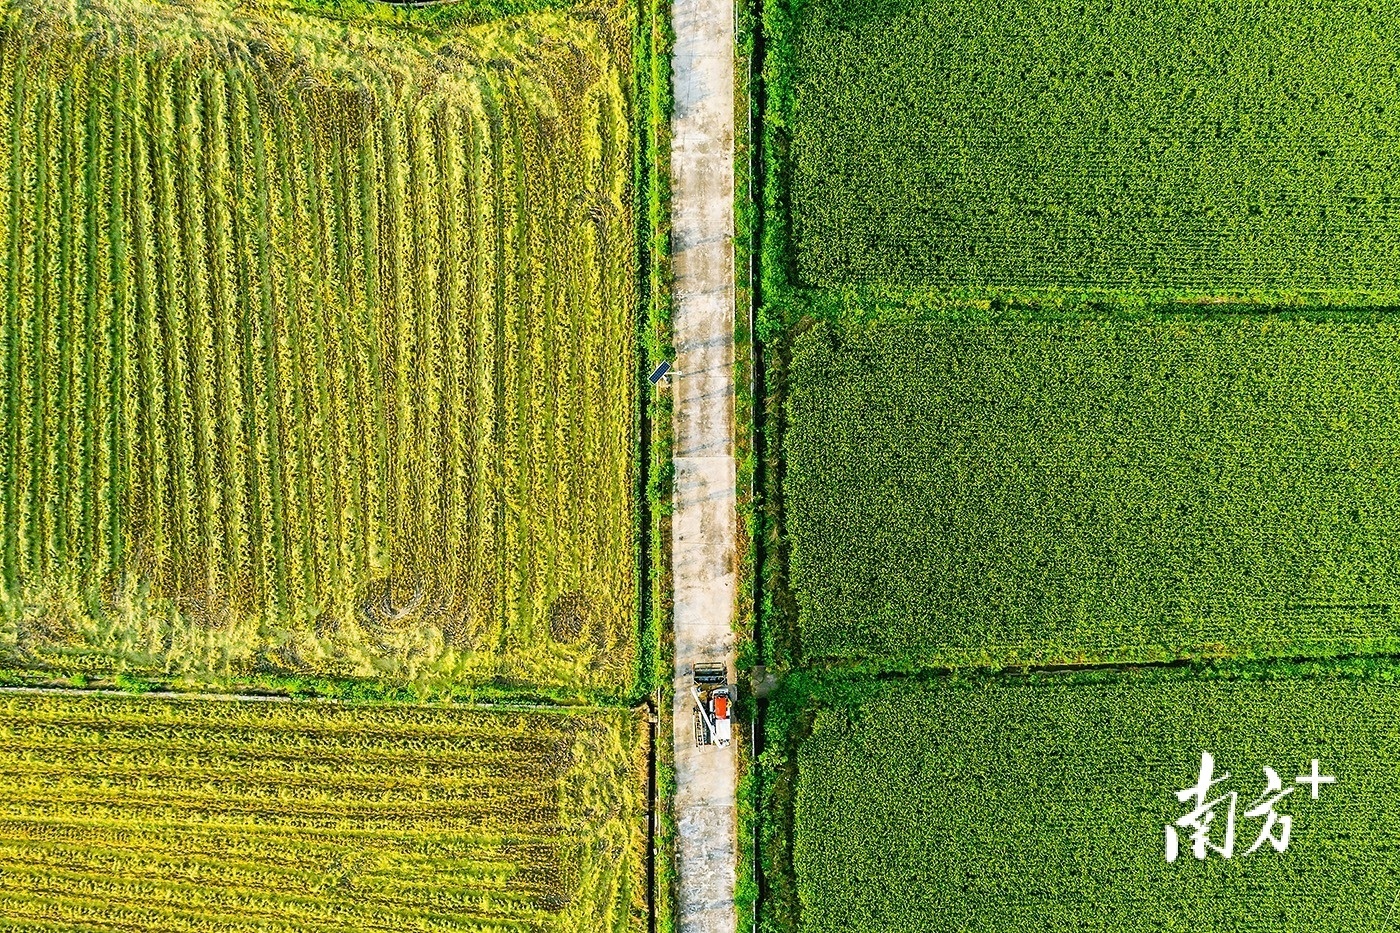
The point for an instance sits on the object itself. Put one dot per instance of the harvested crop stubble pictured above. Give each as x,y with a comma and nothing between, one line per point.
1193,146
140,814
1011,808
1095,491
317,343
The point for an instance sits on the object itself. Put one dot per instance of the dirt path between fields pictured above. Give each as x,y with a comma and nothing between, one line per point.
703,524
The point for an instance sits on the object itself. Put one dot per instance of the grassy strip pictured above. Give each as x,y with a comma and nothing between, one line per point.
38,507
12,334
652,455
748,451
309,687
89,531
424,17
653,429
66,379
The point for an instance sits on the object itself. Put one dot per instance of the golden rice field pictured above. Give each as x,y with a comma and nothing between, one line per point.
316,343
127,814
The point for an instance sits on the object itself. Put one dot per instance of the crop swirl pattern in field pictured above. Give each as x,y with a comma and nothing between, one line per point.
1184,145
1012,808
1095,491
139,814
317,344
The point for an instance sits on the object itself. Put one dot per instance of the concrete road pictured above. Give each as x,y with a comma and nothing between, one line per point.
703,525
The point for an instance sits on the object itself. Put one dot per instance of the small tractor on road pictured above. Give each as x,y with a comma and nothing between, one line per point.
709,684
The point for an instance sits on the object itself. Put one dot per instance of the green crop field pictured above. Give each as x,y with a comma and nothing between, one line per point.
1090,491
1188,146
318,343
1079,350
995,807
143,814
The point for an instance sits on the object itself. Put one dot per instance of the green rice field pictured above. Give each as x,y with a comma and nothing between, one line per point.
1193,147
1004,807
1071,492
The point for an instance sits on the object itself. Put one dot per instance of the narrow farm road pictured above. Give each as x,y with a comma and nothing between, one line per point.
703,523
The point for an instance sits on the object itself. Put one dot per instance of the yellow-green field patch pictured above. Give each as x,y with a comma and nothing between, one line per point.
153,814
316,344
